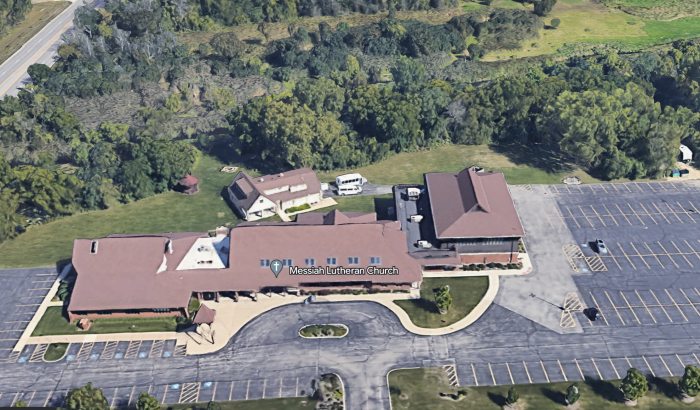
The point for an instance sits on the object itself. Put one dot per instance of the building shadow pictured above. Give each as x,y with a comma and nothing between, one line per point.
605,389
555,396
498,399
381,207
547,158
665,387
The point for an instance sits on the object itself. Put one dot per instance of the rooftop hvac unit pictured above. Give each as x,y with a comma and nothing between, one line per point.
424,244
416,218
413,192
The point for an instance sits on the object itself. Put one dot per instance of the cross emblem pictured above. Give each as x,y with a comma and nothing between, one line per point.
275,265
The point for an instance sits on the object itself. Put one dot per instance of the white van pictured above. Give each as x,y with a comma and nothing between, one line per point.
350,179
349,190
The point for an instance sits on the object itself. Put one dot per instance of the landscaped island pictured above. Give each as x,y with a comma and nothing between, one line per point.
314,331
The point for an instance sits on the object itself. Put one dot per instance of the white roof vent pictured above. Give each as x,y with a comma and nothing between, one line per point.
262,180
281,174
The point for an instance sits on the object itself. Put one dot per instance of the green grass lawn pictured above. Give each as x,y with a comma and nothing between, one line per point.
55,351
466,294
322,330
55,322
295,403
420,388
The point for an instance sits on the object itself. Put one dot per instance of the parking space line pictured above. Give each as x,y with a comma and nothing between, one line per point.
113,397
167,386
474,373
652,370
84,351
596,212
585,216
562,371
696,358
637,215
666,366
133,349
659,303
526,371
108,350
681,253
545,371
637,185
600,377
581,189
640,255
247,390
691,248
679,359
667,254
29,402
280,387
661,213
614,368
628,362
492,376
264,387
230,392
131,396
689,302
572,216
548,220
579,370
48,398
645,306
614,259
648,214
623,214
510,374
14,399
674,302
695,208
674,213
614,307
630,306
610,215
661,184
685,212
628,258
599,309
156,348
603,186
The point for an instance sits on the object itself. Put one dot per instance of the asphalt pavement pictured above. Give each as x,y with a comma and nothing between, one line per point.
42,48
656,333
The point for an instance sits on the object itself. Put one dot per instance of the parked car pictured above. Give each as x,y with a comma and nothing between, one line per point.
601,246
592,314
349,190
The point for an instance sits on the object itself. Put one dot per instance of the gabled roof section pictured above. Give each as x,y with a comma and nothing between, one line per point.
472,204
298,183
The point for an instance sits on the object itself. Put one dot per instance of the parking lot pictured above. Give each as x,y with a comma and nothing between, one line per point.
192,392
23,294
571,370
135,349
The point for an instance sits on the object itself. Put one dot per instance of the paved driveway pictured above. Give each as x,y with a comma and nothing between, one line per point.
367,189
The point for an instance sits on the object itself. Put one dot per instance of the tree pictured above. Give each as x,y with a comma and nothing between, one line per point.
6,173
572,394
342,26
147,402
86,398
443,300
264,29
302,35
512,396
634,386
475,51
543,7
9,218
212,405
409,75
174,102
690,383
320,94
227,44
39,73
324,30
555,23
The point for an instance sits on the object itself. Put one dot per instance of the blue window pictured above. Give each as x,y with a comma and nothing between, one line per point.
286,262
331,261
264,263
376,260
310,261
353,260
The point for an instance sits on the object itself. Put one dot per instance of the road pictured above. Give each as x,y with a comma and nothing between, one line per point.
649,300
42,48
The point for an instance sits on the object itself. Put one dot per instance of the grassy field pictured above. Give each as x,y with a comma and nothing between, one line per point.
55,351
55,322
296,403
520,165
657,9
420,388
41,14
465,292
584,21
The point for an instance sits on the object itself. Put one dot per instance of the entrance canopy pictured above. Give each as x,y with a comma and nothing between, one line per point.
204,315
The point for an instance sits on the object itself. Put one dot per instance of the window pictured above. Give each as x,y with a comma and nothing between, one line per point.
376,260
261,201
286,262
353,260
310,261
331,261
131,312
164,310
264,263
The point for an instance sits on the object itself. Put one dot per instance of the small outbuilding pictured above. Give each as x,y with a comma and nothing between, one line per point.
204,315
188,185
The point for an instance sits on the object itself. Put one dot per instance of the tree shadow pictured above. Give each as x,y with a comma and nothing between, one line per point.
605,389
424,304
253,41
545,157
61,264
498,399
555,396
667,388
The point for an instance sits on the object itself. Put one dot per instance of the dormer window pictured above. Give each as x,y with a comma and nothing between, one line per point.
310,261
353,260
93,247
375,260
331,261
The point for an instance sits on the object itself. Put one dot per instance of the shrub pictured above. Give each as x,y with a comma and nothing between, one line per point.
634,385
443,300
555,23
690,381
298,208
193,307
572,394
512,396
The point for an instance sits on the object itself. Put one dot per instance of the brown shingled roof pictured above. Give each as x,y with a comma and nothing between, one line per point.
472,204
254,187
204,315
